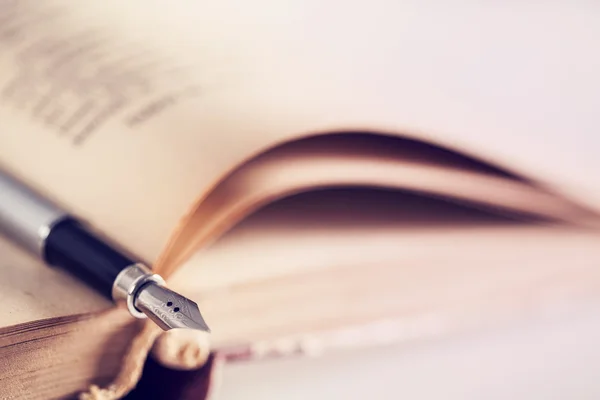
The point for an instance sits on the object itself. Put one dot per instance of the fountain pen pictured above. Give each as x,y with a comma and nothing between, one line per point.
59,239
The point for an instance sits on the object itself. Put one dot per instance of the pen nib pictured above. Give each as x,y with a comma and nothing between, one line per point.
169,309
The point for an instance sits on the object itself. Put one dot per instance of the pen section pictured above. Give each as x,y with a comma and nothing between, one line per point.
72,247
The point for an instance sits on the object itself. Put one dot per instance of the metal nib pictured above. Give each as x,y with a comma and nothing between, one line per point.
168,309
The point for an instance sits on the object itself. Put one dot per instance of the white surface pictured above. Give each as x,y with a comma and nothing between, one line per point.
558,359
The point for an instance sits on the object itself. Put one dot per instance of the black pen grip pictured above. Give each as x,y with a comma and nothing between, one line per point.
71,246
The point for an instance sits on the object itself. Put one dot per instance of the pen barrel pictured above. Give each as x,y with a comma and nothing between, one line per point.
71,246
47,231
25,216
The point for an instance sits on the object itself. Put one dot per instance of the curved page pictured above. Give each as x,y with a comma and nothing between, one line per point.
345,161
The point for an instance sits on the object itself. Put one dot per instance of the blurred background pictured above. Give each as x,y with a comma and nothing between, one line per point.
556,357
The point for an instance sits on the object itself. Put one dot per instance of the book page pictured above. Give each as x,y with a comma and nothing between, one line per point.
353,160
60,357
32,291
376,264
126,112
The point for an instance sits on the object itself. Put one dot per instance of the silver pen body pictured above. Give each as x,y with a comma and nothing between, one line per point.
25,216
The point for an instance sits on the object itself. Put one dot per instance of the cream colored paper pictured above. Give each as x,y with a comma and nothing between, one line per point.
127,113
240,77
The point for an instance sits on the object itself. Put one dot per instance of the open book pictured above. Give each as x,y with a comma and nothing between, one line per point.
315,174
